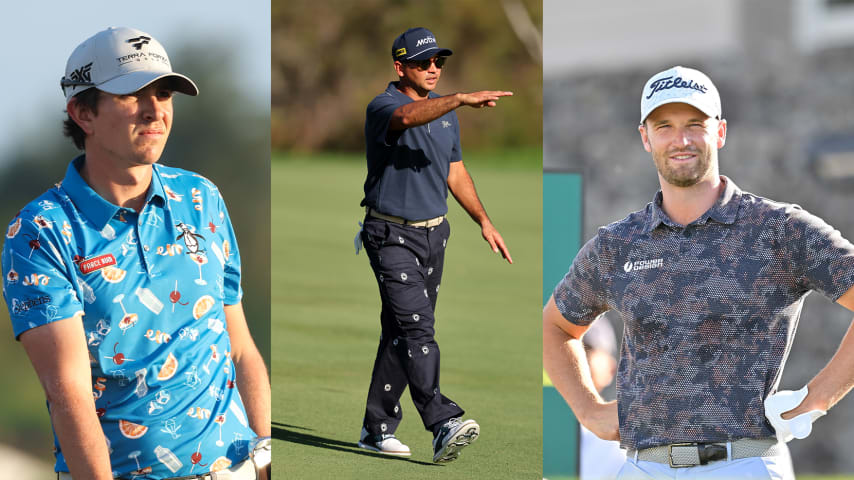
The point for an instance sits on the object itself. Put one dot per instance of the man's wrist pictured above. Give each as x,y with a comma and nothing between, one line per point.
589,408
816,398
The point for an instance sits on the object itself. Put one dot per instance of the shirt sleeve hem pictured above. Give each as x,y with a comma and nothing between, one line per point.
30,326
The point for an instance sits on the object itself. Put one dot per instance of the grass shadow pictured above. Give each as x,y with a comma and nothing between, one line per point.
290,433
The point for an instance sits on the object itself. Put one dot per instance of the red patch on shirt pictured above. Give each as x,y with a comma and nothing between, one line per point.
97,263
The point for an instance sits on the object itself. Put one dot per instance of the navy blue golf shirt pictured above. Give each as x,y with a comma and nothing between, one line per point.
408,173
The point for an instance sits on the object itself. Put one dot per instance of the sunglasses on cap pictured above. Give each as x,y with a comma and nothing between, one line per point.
425,64
67,82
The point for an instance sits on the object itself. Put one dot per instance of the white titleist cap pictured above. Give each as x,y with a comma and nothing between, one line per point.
680,85
120,60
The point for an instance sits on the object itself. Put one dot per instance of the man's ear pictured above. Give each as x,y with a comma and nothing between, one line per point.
81,114
721,133
398,68
644,138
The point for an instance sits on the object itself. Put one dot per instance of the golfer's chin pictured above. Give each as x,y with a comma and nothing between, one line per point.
148,155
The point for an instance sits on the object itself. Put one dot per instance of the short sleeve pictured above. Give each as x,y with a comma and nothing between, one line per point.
378,117
581,295
36,283
232,288
457,150
822,259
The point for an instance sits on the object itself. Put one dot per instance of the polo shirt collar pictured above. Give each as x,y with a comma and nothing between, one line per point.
156,193
724,211
394,92
94,207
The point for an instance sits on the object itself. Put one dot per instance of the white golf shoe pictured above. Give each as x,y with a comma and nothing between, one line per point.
387,444
453,437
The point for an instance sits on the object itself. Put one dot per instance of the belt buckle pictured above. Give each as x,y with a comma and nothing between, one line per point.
670,454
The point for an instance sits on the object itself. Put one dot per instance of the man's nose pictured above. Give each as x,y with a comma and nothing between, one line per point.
153,108
682,137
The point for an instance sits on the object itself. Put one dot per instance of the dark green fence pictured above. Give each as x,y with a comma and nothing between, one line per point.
562,220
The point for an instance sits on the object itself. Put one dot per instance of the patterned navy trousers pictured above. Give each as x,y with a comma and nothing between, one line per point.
407,262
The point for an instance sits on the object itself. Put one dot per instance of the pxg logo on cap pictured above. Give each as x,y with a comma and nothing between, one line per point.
417,44
680,85
121,61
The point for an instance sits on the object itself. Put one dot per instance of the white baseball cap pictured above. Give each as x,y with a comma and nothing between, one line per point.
121,61
680,85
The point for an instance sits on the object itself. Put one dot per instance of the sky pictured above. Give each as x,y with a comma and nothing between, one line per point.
38,37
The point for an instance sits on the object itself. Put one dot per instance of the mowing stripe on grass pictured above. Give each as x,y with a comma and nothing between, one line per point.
325,327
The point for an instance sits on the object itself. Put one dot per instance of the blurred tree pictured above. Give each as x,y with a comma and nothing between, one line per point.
219,134
331,58
224,136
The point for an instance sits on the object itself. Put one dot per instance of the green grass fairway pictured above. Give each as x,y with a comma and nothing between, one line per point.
325,325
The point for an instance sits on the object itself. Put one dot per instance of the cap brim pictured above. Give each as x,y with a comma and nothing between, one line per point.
709,110
429,53
135,81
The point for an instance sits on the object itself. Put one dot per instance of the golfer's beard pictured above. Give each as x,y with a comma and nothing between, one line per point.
685,175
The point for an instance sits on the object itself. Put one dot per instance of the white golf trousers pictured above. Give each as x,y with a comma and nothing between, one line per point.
754,468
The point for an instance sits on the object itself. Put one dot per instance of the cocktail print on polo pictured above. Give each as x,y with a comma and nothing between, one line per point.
151,286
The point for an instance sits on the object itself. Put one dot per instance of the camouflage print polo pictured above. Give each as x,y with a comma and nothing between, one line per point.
710,310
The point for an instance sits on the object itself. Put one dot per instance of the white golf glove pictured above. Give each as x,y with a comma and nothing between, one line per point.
357,242
799,427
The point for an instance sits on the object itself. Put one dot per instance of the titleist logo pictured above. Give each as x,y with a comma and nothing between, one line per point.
666,83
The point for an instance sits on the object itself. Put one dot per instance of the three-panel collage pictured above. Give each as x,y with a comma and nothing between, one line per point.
229,251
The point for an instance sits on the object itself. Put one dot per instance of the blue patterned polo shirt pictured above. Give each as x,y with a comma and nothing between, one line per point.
151,287
710,310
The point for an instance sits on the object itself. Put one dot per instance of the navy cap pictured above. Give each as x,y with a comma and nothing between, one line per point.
417,44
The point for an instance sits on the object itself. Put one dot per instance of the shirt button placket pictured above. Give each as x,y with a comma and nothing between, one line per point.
144,260
685,240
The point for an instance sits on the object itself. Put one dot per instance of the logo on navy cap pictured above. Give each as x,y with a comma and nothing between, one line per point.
425,41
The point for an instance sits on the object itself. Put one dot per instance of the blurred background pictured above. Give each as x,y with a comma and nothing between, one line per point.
785,71
222,134
330,58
